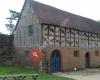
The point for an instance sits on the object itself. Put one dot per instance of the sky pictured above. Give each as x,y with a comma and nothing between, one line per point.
86,8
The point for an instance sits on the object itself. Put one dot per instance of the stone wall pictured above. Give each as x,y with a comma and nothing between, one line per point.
6,49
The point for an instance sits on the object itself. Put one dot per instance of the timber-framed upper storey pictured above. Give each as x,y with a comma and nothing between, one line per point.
53,35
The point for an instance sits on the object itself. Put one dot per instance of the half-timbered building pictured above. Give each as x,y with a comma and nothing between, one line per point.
70,41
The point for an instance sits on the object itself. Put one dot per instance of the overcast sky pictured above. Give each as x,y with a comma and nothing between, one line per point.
86,8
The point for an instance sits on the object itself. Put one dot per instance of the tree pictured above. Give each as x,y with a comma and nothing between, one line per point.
12,20
98,21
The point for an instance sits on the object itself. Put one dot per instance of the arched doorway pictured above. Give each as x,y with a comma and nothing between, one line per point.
55,61
87,60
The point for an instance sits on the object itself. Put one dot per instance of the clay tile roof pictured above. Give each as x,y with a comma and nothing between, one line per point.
50,15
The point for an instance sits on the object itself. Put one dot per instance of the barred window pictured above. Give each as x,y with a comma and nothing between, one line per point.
76,53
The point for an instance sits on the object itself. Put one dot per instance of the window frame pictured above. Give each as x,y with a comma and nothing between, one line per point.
96,53
30,30
76,53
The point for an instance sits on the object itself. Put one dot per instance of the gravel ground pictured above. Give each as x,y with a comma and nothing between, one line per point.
89,74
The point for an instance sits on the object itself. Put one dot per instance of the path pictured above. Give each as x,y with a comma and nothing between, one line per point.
90,74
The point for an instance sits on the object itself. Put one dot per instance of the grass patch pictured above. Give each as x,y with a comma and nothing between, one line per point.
21,70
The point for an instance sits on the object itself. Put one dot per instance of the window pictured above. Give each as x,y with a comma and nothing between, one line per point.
76,53
30,30
96,53
26,53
